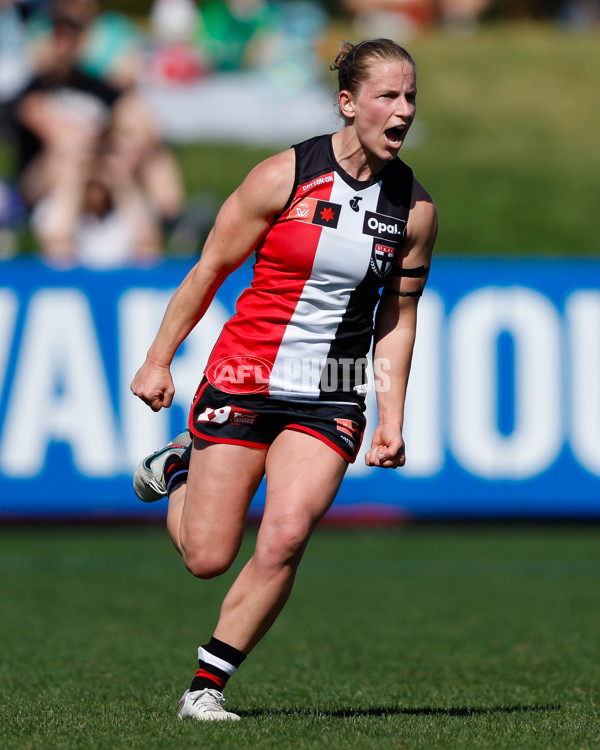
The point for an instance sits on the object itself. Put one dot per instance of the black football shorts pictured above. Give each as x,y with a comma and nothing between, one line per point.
255,420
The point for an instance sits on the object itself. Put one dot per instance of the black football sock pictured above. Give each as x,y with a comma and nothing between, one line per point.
217,661
175,471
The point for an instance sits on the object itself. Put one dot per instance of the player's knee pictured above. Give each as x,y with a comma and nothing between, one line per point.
207,563
285,544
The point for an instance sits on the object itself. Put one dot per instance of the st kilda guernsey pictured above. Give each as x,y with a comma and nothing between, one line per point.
304,327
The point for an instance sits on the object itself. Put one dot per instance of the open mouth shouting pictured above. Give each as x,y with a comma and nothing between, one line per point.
396,135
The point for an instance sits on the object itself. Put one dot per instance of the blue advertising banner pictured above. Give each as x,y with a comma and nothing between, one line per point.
503,412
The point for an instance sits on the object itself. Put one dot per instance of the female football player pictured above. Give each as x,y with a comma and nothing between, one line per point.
331,222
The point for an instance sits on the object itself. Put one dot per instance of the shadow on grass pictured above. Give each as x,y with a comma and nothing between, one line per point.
405,711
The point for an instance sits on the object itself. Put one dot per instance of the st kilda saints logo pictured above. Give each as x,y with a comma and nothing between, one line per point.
382,258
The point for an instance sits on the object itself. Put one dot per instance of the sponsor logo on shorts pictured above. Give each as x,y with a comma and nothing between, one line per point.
385,227
313,211
382,257
239,415
349,442
347,427
218,416
228,415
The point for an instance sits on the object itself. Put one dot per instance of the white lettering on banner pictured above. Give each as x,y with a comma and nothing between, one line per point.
59,392
422,423
476,323
140,314
582,311
59,388
9,304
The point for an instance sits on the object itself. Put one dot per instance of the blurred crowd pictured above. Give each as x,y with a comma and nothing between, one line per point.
93,179
92,175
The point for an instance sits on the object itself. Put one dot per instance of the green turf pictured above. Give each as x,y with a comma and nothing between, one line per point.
424,637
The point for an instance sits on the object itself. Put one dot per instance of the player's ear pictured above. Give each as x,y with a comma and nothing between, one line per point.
346,102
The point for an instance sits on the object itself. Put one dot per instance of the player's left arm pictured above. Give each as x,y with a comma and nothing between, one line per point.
395,330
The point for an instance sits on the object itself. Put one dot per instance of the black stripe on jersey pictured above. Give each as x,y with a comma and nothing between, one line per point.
313,159
312,162
346,359
388,223
355,332
396,189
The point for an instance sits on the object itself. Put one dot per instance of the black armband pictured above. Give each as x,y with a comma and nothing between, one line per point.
410,273
403,294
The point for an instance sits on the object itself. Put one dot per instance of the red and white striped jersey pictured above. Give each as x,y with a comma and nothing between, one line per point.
304,327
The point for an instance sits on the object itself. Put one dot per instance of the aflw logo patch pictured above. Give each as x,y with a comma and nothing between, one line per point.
313,211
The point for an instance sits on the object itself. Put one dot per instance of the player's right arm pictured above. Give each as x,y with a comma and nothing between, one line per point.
243,220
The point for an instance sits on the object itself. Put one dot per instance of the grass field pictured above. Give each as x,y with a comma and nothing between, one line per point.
423,637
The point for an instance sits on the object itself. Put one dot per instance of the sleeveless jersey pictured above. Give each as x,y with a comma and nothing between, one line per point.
304,327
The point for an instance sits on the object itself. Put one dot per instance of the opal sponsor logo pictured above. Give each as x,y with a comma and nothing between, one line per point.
384,227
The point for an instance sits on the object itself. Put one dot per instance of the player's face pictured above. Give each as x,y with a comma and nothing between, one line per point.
384,108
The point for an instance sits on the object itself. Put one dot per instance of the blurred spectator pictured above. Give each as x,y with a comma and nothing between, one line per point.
226,30
175,58
136,138
288,54
96,216
61,114
111,48
64,114
15,64
398,19
463,16
173,20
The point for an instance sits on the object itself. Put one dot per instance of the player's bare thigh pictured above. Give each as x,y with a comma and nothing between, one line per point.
303,477
221,483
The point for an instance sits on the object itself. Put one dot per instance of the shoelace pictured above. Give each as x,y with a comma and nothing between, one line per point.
217,699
